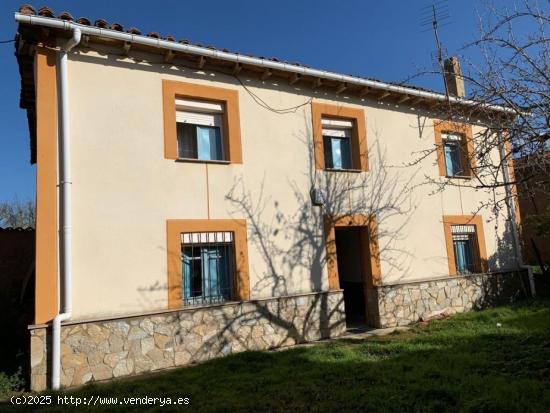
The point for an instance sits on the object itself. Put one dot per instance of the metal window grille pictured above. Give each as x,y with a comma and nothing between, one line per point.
463,229
452,137
466,248
208,267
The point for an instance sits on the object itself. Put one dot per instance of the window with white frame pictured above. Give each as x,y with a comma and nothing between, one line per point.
337,143
465,248
452,149
208,267
199,130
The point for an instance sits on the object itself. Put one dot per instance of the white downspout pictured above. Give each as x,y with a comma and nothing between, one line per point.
512,215
65,255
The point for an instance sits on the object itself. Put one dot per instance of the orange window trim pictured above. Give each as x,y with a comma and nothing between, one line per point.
46,305
174,229
465,130
448,221
359,147
231,125
369,248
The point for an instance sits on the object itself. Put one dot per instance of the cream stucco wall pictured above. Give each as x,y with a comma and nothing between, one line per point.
124,190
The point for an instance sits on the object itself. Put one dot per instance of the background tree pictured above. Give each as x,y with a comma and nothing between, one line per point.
512,71
18,213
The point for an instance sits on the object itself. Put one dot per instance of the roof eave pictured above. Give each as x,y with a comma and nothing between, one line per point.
341,80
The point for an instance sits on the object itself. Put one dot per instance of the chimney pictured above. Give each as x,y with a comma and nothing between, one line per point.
453,77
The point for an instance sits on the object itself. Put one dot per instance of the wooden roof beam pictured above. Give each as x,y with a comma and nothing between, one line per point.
266,74
201,61
434,104
126,48
403,99
383,95
364,92
294,78
236,69
169,56
316,83
341,87
20,45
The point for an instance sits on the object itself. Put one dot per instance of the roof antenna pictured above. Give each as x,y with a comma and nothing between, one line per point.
432,15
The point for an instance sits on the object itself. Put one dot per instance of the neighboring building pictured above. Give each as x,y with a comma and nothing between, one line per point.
16,296
534,202
222,202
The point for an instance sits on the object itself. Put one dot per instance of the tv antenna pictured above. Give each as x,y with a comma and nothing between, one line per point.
436,16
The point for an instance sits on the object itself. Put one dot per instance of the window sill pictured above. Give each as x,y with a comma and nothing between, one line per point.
465,274
344,170
458,177
191,160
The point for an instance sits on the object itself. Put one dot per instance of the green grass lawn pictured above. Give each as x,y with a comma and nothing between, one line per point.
466,363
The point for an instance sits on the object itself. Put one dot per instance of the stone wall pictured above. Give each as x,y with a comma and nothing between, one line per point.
101,350
402,304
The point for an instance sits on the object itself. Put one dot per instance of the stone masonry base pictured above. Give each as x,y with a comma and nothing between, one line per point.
403,304
100,350
103,349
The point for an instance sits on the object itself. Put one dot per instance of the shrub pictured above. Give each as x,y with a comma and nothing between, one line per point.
10,384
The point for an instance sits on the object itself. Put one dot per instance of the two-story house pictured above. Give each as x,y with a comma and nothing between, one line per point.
195,202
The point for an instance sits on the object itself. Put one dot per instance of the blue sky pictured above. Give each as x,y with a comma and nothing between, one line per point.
379,39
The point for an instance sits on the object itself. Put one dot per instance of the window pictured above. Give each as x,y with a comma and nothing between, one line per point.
466,250
465,244
199,130
454,148
339,137
207,267
337,143
452,144
218,253
201,123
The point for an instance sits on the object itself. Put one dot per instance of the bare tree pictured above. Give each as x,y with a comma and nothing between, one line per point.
18,213
513,73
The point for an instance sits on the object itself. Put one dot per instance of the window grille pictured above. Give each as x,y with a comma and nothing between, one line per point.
465,248
208,266
463,229
452,137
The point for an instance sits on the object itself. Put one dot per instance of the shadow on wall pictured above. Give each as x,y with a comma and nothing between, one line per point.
292,246
295,243
504,256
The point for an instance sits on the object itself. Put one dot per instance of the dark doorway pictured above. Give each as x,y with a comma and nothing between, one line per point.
350,273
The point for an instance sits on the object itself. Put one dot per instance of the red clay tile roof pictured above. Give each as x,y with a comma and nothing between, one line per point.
103,24
25,61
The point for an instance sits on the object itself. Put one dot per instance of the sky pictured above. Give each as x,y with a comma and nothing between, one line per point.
379,39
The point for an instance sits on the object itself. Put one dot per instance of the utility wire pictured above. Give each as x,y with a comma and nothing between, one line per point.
265,105
254,96
7,41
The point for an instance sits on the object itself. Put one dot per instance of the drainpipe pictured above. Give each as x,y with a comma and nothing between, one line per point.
512,215
65,305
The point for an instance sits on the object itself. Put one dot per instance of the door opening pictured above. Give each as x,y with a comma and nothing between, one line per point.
351,272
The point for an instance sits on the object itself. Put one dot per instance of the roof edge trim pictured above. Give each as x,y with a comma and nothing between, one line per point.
238,58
